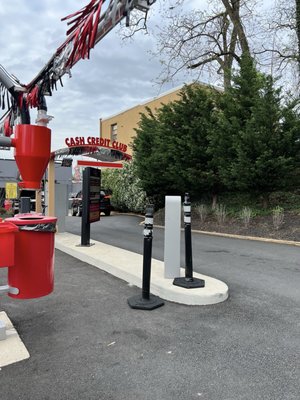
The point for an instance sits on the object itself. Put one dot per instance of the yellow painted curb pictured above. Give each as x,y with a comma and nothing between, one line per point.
260,239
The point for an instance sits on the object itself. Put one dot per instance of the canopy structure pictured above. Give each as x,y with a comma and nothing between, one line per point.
102,155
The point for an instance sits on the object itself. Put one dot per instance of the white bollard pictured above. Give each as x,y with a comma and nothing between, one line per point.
2,330
172,236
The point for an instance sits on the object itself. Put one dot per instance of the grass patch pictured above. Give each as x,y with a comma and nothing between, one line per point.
235,202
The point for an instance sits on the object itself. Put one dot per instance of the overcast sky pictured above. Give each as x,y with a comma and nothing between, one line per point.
118,75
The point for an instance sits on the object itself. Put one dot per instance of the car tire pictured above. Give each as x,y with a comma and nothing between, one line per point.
107,213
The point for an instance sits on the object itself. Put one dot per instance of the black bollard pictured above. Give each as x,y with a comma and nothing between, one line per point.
146,301
188,281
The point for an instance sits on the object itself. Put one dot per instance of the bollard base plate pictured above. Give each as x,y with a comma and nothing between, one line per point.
138,303
85,245
189,283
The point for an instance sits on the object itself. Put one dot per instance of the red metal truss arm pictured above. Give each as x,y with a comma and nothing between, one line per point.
87,30
88,27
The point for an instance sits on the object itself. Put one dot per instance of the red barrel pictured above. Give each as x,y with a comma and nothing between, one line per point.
33,271
7,243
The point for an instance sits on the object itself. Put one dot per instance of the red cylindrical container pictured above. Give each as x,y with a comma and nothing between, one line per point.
32,153
7,243
33,271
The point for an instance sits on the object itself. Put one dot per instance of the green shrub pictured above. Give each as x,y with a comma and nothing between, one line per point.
202,210
221,213
5,214
278,217
127,194
246,214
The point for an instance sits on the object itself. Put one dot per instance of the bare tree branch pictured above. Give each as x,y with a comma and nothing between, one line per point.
214,38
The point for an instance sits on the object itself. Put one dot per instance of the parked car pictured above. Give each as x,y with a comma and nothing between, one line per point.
105,206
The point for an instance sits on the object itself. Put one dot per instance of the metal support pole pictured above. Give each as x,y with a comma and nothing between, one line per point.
9,289
38,201
147,301
5,141
188,281
51,188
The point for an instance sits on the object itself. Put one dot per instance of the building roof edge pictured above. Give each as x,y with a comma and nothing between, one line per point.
175,89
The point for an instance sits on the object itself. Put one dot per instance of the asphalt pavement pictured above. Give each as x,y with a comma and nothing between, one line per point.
250,265
86,343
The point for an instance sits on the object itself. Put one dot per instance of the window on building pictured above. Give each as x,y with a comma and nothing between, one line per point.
114,132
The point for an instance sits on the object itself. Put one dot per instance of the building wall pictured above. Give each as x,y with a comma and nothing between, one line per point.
127,120
9,173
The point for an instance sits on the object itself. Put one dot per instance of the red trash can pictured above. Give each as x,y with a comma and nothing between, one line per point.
33,271
7,243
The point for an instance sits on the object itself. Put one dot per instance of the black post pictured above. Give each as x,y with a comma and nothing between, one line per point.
188,243
24,205
147,301
188,281
85,223
147,262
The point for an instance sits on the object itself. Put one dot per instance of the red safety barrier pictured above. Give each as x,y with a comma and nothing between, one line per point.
7,243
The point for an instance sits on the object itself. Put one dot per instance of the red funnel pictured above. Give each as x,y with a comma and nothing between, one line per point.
32,153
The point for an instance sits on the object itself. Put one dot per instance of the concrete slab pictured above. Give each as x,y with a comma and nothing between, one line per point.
12,348
127,265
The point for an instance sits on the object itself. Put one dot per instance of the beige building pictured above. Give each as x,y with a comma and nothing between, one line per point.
120,127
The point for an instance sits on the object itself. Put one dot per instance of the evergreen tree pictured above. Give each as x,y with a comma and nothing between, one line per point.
170,148
263,135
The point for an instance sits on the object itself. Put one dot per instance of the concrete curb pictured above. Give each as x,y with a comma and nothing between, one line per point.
257,238
12,348
127,265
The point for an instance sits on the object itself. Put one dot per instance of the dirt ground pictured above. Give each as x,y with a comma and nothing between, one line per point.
260,226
